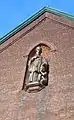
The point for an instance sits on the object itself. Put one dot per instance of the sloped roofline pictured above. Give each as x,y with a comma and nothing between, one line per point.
32,18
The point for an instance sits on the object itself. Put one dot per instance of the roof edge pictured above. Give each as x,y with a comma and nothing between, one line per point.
33,18
58,12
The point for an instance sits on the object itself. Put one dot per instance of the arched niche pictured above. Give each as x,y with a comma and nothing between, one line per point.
45,50
37,79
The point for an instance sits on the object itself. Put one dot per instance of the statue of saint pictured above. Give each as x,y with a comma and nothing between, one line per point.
38,68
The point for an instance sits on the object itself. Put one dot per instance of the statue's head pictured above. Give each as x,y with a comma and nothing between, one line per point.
38,50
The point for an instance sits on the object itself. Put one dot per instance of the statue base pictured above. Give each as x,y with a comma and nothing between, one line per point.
33,87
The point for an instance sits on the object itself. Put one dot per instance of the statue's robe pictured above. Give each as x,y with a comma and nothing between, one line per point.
34,68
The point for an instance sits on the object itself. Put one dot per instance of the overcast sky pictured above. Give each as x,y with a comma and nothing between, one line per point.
13,12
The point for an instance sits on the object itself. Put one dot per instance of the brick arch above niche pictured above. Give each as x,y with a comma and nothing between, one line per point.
45,50
39,61
50,46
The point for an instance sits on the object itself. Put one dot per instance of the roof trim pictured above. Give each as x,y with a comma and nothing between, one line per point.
33,18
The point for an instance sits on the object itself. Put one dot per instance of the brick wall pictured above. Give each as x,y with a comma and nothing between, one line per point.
56,101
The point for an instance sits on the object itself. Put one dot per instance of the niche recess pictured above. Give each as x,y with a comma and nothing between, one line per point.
36,86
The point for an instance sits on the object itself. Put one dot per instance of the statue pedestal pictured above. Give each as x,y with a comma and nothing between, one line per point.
33,87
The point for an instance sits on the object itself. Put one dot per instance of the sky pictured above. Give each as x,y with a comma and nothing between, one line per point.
14,12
